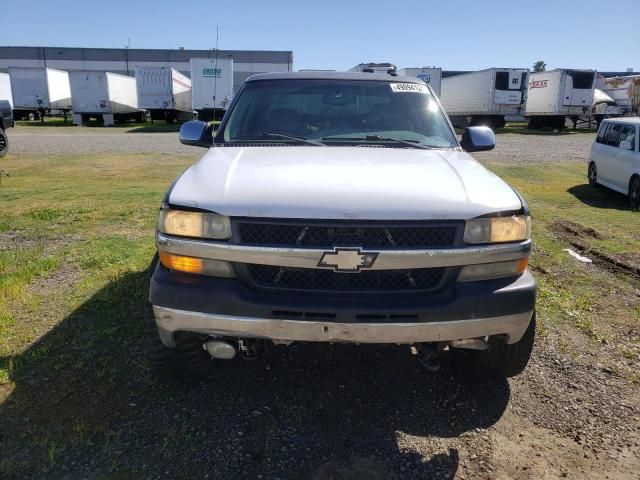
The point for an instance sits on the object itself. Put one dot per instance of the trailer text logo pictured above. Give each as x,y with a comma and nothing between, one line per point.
538,84
212,72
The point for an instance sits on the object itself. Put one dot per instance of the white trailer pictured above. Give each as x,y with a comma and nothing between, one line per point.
558,94
164,92
485,97
212,86
624,90
106,96
37,91
430,75
374,68
5,88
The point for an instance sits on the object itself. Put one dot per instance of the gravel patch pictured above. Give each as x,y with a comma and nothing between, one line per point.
86,140
513,148
569,147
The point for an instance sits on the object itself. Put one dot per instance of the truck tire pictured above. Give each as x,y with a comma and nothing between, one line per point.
592,174
186,359
4,143
503,360
634,193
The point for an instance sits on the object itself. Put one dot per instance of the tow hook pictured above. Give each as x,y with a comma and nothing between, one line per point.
428,355
252,349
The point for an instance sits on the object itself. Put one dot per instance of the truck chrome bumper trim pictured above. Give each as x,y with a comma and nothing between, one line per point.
310,257
171,320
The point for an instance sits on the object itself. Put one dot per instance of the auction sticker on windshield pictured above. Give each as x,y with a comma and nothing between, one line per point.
409,87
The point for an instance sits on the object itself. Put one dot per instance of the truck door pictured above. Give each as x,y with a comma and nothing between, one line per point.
578,89
624,156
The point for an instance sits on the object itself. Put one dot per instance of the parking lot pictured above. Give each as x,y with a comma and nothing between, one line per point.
77,399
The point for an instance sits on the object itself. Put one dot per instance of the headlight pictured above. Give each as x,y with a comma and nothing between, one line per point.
498,229
194,224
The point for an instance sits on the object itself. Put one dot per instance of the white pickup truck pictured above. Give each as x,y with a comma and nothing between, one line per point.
339,207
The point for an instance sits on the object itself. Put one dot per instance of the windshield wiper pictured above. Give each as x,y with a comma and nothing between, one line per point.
306,141
378,138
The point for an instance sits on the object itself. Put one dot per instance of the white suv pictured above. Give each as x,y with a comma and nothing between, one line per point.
614,160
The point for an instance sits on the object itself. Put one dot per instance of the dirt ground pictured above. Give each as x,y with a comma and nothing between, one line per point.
81,402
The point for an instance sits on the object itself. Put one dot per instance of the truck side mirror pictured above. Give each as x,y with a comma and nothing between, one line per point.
196,134
478,139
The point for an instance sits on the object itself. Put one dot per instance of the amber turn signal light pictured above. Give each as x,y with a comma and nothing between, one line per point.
181,263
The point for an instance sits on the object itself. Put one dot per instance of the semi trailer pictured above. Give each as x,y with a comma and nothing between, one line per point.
624,90
38,91
164,92
105,96
559,94
430,75
485,97
5,88
212,86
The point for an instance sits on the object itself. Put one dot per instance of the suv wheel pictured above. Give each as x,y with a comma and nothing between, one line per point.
634,193
593,175
4,143
505,360
186,359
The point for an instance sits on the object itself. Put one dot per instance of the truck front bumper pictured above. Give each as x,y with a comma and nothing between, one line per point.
229,308
170,321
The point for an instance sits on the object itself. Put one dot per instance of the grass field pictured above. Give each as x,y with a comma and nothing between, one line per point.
76,235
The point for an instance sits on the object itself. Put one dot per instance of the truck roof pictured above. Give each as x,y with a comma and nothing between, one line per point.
380,77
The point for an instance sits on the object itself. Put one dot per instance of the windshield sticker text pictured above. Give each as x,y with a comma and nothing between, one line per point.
409,87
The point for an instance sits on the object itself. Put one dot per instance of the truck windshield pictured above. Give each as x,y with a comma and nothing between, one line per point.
337,112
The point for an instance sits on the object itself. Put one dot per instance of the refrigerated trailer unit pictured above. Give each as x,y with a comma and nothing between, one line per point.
105,96
39,91
212,86
374,68
559,94
5,88
485,97
164,92
430,75
625,91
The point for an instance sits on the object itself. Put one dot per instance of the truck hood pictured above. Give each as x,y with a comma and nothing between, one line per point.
342,183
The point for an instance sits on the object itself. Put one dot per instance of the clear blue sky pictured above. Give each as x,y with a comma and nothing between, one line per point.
453,34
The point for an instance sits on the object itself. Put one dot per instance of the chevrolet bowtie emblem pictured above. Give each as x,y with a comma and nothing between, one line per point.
350,260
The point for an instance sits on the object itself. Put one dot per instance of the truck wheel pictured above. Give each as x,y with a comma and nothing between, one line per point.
4,143
634,193
505,360
593,175
186,359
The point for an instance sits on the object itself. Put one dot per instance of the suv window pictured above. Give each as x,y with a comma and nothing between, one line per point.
336,111
613,135
602,132
628,134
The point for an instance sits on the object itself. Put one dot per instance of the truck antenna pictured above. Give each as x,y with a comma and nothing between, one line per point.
215,79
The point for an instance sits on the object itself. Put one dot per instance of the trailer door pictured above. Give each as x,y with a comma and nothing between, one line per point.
578,89
155,88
